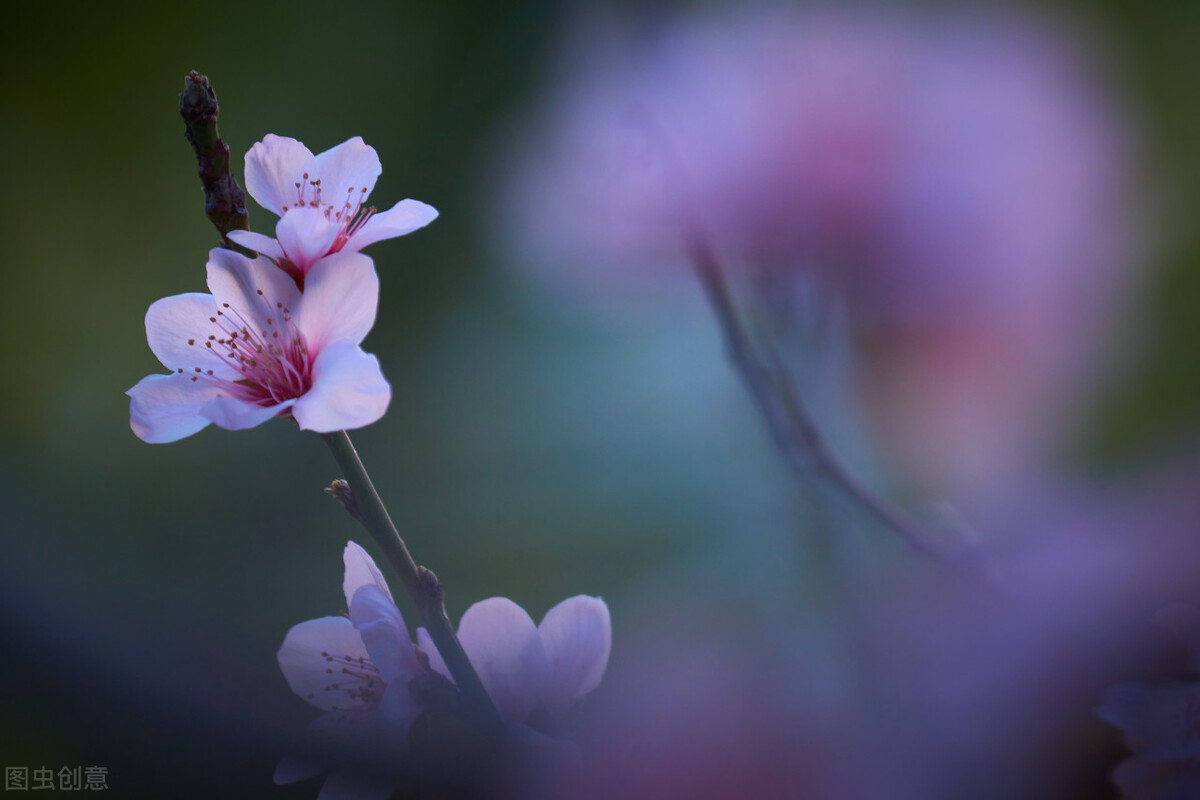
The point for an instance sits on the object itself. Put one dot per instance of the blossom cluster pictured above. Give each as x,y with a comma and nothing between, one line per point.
365,671
280,334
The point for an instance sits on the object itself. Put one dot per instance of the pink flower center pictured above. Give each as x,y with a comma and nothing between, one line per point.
350,216
274,362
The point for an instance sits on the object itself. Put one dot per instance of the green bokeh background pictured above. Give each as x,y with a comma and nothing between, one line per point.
530,451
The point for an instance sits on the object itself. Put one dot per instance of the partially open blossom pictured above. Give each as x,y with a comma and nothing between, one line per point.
257,348
321,201
358,670
525,667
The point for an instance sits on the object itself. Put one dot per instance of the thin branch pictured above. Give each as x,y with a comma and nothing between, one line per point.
422,586
801,442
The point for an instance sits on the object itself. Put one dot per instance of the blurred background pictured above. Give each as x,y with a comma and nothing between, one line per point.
552,431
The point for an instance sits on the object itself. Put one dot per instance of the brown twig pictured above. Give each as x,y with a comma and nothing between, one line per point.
224,199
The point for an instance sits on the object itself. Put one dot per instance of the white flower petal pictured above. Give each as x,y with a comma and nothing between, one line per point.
577,636
404,217
166,408
305,235
233,414
506,650
346,170
258,243
341,296
272,168
257,291
360,571
395,714
384,634
348,390
177,329
326,663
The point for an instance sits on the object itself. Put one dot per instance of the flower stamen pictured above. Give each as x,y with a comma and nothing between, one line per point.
360,681
271,373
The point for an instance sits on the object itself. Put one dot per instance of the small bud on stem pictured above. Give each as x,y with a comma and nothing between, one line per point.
432,593
424,589
340,490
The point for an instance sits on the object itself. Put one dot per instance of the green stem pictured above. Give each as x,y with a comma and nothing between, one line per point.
421,584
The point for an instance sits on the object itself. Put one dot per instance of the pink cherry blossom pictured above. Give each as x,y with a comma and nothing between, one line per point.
527,667
357,670
957,180
257,348
366,652
321,202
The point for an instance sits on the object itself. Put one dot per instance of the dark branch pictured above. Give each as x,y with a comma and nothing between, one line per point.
224,200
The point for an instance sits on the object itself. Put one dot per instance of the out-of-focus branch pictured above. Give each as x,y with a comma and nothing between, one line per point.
791,426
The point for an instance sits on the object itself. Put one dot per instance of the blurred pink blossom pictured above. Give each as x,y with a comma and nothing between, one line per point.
958,180
922,681
1160,718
